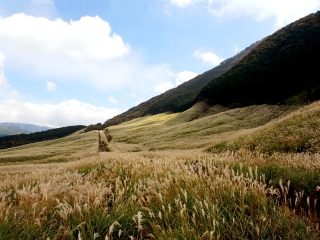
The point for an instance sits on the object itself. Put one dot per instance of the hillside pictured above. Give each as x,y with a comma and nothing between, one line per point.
282,69
64,149
180,98
176,132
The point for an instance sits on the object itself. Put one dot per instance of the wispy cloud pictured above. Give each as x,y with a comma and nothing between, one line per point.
184,76
162,87
3,79
50,86
111,99
209,57
184,3
284,11
178,78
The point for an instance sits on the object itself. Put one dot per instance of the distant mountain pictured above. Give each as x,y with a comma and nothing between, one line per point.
29,128
5,131
180,98
282,69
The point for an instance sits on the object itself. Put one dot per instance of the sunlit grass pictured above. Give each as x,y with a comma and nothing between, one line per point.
297,132
152,196
59,150
174,131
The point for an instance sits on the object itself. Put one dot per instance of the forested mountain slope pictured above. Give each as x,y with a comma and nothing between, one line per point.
180,98
282,69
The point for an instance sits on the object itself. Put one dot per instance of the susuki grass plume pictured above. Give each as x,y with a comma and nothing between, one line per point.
157,196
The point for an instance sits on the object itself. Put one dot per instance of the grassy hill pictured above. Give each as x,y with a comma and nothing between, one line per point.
176,131
297,132
281,69
69,148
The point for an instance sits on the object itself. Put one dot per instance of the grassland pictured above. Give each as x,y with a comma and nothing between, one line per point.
147,186
65,149
196,128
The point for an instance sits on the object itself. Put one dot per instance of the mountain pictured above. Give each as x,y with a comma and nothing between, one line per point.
282,69
5,131
180,98
29,128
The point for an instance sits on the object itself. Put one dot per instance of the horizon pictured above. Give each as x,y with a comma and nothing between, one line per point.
66,63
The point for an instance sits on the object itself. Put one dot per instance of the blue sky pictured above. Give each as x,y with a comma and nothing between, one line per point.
66,62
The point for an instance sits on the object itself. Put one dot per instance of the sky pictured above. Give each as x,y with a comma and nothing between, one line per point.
70,62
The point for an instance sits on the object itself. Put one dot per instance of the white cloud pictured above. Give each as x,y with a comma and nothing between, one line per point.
84,51
111,99
41,2
88,38
184,76
184,3
284,11
3,79
180,78
209,57
71,112
162,87
50,86
236,49
14,94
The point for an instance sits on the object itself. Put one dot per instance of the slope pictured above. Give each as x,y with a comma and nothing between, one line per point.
297,132
176,132
69,148
281,69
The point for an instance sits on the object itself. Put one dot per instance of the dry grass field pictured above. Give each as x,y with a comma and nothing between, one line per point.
148,187
176,131
65,149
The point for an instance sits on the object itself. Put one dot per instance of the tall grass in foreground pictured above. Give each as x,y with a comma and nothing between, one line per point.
157,196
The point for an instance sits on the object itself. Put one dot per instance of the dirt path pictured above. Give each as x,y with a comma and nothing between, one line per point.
104,138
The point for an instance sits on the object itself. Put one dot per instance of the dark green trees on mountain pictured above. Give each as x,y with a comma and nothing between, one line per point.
283,68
